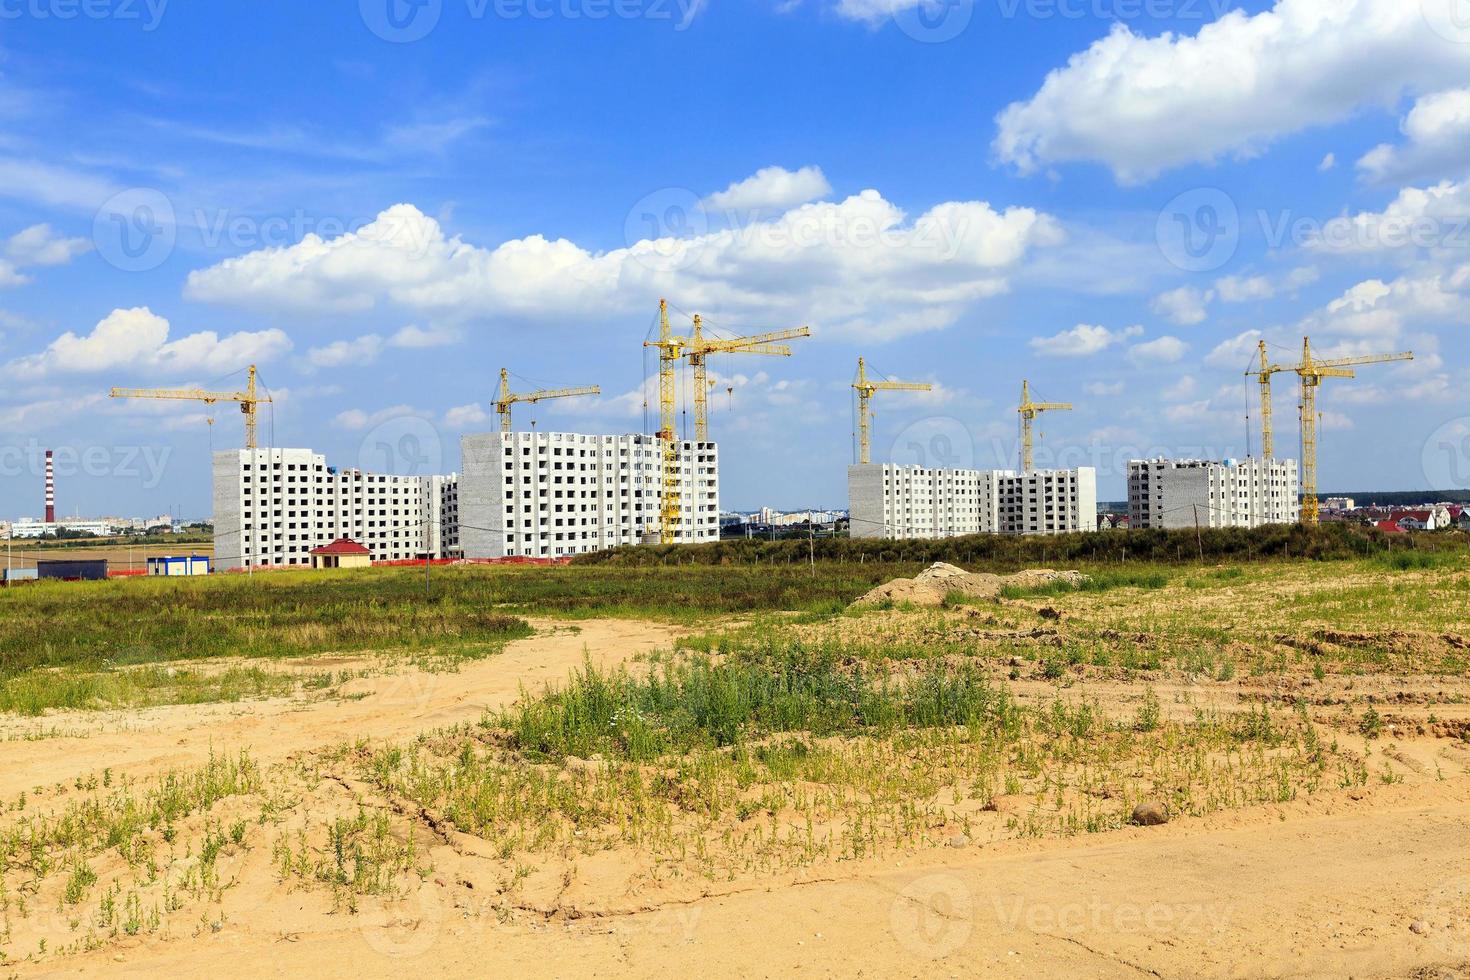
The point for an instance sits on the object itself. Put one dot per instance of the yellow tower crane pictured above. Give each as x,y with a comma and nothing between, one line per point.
506,399
700,349
1311,372
247,400
866,389
671,349
1263,378
1028,411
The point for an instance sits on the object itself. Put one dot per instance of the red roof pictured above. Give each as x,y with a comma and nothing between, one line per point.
1422,516
1390,526
342,546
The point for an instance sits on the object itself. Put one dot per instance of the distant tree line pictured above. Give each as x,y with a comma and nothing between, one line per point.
1332,541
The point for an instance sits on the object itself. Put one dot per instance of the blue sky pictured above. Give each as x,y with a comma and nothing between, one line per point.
384,203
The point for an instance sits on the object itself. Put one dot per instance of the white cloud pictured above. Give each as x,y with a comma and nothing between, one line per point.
414,337
355,419
1239,289
857,265
1184,306
41,245
1181,390
771,188
1418,218
341,353
1141,105
138,338
464,416
1164,350
1377,312
1103,389
1083,340
1328,162
1236,352
1436,141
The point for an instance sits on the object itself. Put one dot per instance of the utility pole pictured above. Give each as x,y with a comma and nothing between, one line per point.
1198,537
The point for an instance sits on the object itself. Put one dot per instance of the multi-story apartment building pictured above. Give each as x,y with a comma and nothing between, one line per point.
555,494
542,495
889,501
273,506
1180,493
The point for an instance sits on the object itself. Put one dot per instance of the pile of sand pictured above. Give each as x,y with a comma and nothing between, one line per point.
930,586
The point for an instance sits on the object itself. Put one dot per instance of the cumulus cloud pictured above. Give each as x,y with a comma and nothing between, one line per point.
341,353
1083,340
1236,352
1164,350
859,265
1181,390
38,245
1240,289
1184,306
364,350
42,245
1418,219
1142,105
771,188
1377,312
414,337
1436,141
138,338
355,419
465,416
1103,389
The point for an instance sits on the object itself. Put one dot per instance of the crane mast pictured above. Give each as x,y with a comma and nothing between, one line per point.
1311,373
866,389
1028,411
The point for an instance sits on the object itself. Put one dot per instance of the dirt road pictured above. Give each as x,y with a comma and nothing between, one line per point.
397,704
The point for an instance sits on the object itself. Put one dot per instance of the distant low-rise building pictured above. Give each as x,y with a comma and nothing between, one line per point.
1339,503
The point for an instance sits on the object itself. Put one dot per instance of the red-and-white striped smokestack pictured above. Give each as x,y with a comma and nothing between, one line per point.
50,489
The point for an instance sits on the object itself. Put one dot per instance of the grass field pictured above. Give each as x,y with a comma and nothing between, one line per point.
782,731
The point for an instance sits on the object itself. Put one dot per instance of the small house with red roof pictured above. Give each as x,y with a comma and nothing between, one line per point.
342,553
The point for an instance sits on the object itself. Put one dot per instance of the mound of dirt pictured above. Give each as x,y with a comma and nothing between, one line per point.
930,586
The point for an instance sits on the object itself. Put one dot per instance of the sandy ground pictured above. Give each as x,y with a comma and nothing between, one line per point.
401,704
1328,886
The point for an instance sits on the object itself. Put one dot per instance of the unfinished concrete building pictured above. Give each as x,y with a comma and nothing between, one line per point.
888,501
273,506
558,494
1178,493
